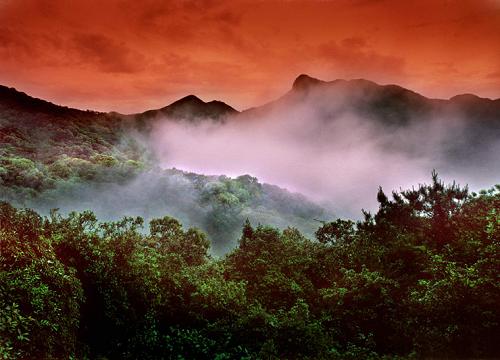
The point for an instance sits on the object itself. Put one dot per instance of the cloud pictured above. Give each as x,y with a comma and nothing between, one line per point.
494,75
30,48
354,42
316,148
108,55
354,57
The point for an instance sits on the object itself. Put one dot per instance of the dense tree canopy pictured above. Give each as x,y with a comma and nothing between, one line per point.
419,278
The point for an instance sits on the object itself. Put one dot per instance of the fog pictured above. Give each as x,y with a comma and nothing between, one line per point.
190,198
336,158
333,146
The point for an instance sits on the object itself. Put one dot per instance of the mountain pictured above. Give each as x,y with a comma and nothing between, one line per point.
304,82
38,129
470,124
28,125
57,157
191,107
388,104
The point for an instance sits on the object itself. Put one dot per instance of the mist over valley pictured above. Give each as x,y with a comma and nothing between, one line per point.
211,166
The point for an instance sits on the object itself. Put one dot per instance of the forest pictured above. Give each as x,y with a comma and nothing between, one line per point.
417,278
106,253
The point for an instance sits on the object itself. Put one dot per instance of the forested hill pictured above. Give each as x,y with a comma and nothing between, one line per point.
41,131
57,157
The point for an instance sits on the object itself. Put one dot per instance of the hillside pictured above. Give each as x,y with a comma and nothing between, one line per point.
54,156
58,157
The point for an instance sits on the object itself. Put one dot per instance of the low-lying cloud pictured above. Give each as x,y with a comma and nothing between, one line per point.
338,159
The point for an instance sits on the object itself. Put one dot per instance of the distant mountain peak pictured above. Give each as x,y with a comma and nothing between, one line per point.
305,82
467,98
191,106
189,99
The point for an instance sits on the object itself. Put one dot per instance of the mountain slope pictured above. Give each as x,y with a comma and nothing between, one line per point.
54,156
58,157
389,104
472,123
45,138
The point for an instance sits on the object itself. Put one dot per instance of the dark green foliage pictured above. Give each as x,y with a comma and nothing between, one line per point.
419,278
40,297
43,146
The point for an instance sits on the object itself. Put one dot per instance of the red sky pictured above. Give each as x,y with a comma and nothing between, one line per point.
129,56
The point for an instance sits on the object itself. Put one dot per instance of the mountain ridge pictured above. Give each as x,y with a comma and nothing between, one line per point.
302,83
